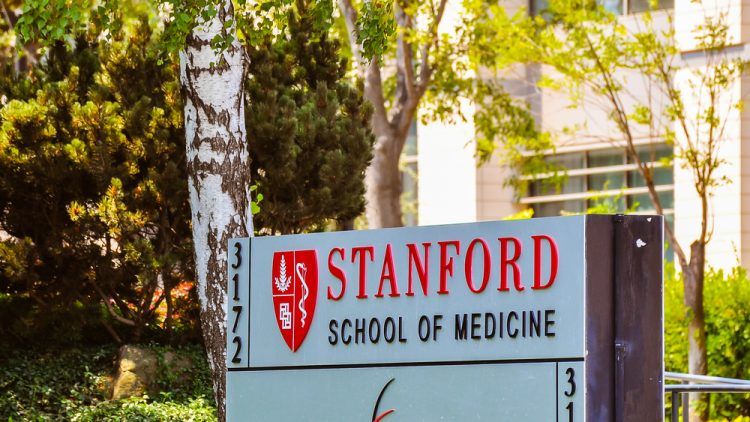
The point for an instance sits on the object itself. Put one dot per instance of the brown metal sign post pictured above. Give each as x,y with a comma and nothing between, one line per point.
625,318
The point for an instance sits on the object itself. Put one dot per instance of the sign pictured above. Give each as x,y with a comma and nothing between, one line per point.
497,320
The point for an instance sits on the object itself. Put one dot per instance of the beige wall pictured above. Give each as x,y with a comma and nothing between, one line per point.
447,170
729,218
447,173
744,180
725,208
494,201
690,13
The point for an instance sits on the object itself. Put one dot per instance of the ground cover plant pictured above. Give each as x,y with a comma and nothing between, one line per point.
74,384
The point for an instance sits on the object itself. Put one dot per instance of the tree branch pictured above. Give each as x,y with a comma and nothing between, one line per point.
624,125
405,64
29,54
111,331
108,301
350,18
374,91
369,72
425,69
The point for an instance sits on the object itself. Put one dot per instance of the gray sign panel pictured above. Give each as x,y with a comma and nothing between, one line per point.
457,322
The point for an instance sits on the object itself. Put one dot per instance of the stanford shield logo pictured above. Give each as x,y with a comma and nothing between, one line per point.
295,290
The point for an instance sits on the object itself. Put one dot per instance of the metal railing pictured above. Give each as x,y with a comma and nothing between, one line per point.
698,384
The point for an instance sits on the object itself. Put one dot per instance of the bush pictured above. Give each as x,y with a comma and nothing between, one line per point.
139,409
73,385
94,211
726,299
307,127
27,324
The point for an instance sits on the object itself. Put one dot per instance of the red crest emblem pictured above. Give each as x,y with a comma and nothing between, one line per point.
294,280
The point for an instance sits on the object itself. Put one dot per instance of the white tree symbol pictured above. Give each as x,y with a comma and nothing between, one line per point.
282,281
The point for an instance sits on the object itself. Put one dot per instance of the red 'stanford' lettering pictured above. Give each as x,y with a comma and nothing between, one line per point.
506,259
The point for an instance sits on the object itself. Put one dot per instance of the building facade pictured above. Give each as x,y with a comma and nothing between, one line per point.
452,188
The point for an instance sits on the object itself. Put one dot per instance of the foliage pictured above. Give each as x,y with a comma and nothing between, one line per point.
139,409
93,185
606,203
48,22
41,385
727,324
307,127
597,58
610,204
524,214
182,383
376,27
416,68
58,19
26,324
179,31
73,385
503,123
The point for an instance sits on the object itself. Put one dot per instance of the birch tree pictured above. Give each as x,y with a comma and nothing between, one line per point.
211,58
218,169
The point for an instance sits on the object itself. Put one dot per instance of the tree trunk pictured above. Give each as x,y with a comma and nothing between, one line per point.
383,179
697,354
218,173
170,311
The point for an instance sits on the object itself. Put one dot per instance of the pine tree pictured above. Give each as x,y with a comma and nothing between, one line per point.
93,190
307,127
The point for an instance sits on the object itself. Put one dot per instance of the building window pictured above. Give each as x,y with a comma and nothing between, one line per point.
597,175
538,7
410,178
618,7
601,174
640,6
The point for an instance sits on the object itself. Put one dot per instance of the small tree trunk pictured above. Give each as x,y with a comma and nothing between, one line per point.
345,225
383,180
697,354
170,310
137,331
218,174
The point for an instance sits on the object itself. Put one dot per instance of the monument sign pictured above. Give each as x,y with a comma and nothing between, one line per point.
508,320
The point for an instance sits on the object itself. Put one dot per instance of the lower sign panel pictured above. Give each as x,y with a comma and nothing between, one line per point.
543,391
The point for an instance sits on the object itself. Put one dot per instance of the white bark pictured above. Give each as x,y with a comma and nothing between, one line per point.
218,173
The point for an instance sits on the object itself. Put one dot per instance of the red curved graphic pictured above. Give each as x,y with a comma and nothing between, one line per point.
375,416
384,414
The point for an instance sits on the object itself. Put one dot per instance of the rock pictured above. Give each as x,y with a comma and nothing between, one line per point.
136,372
